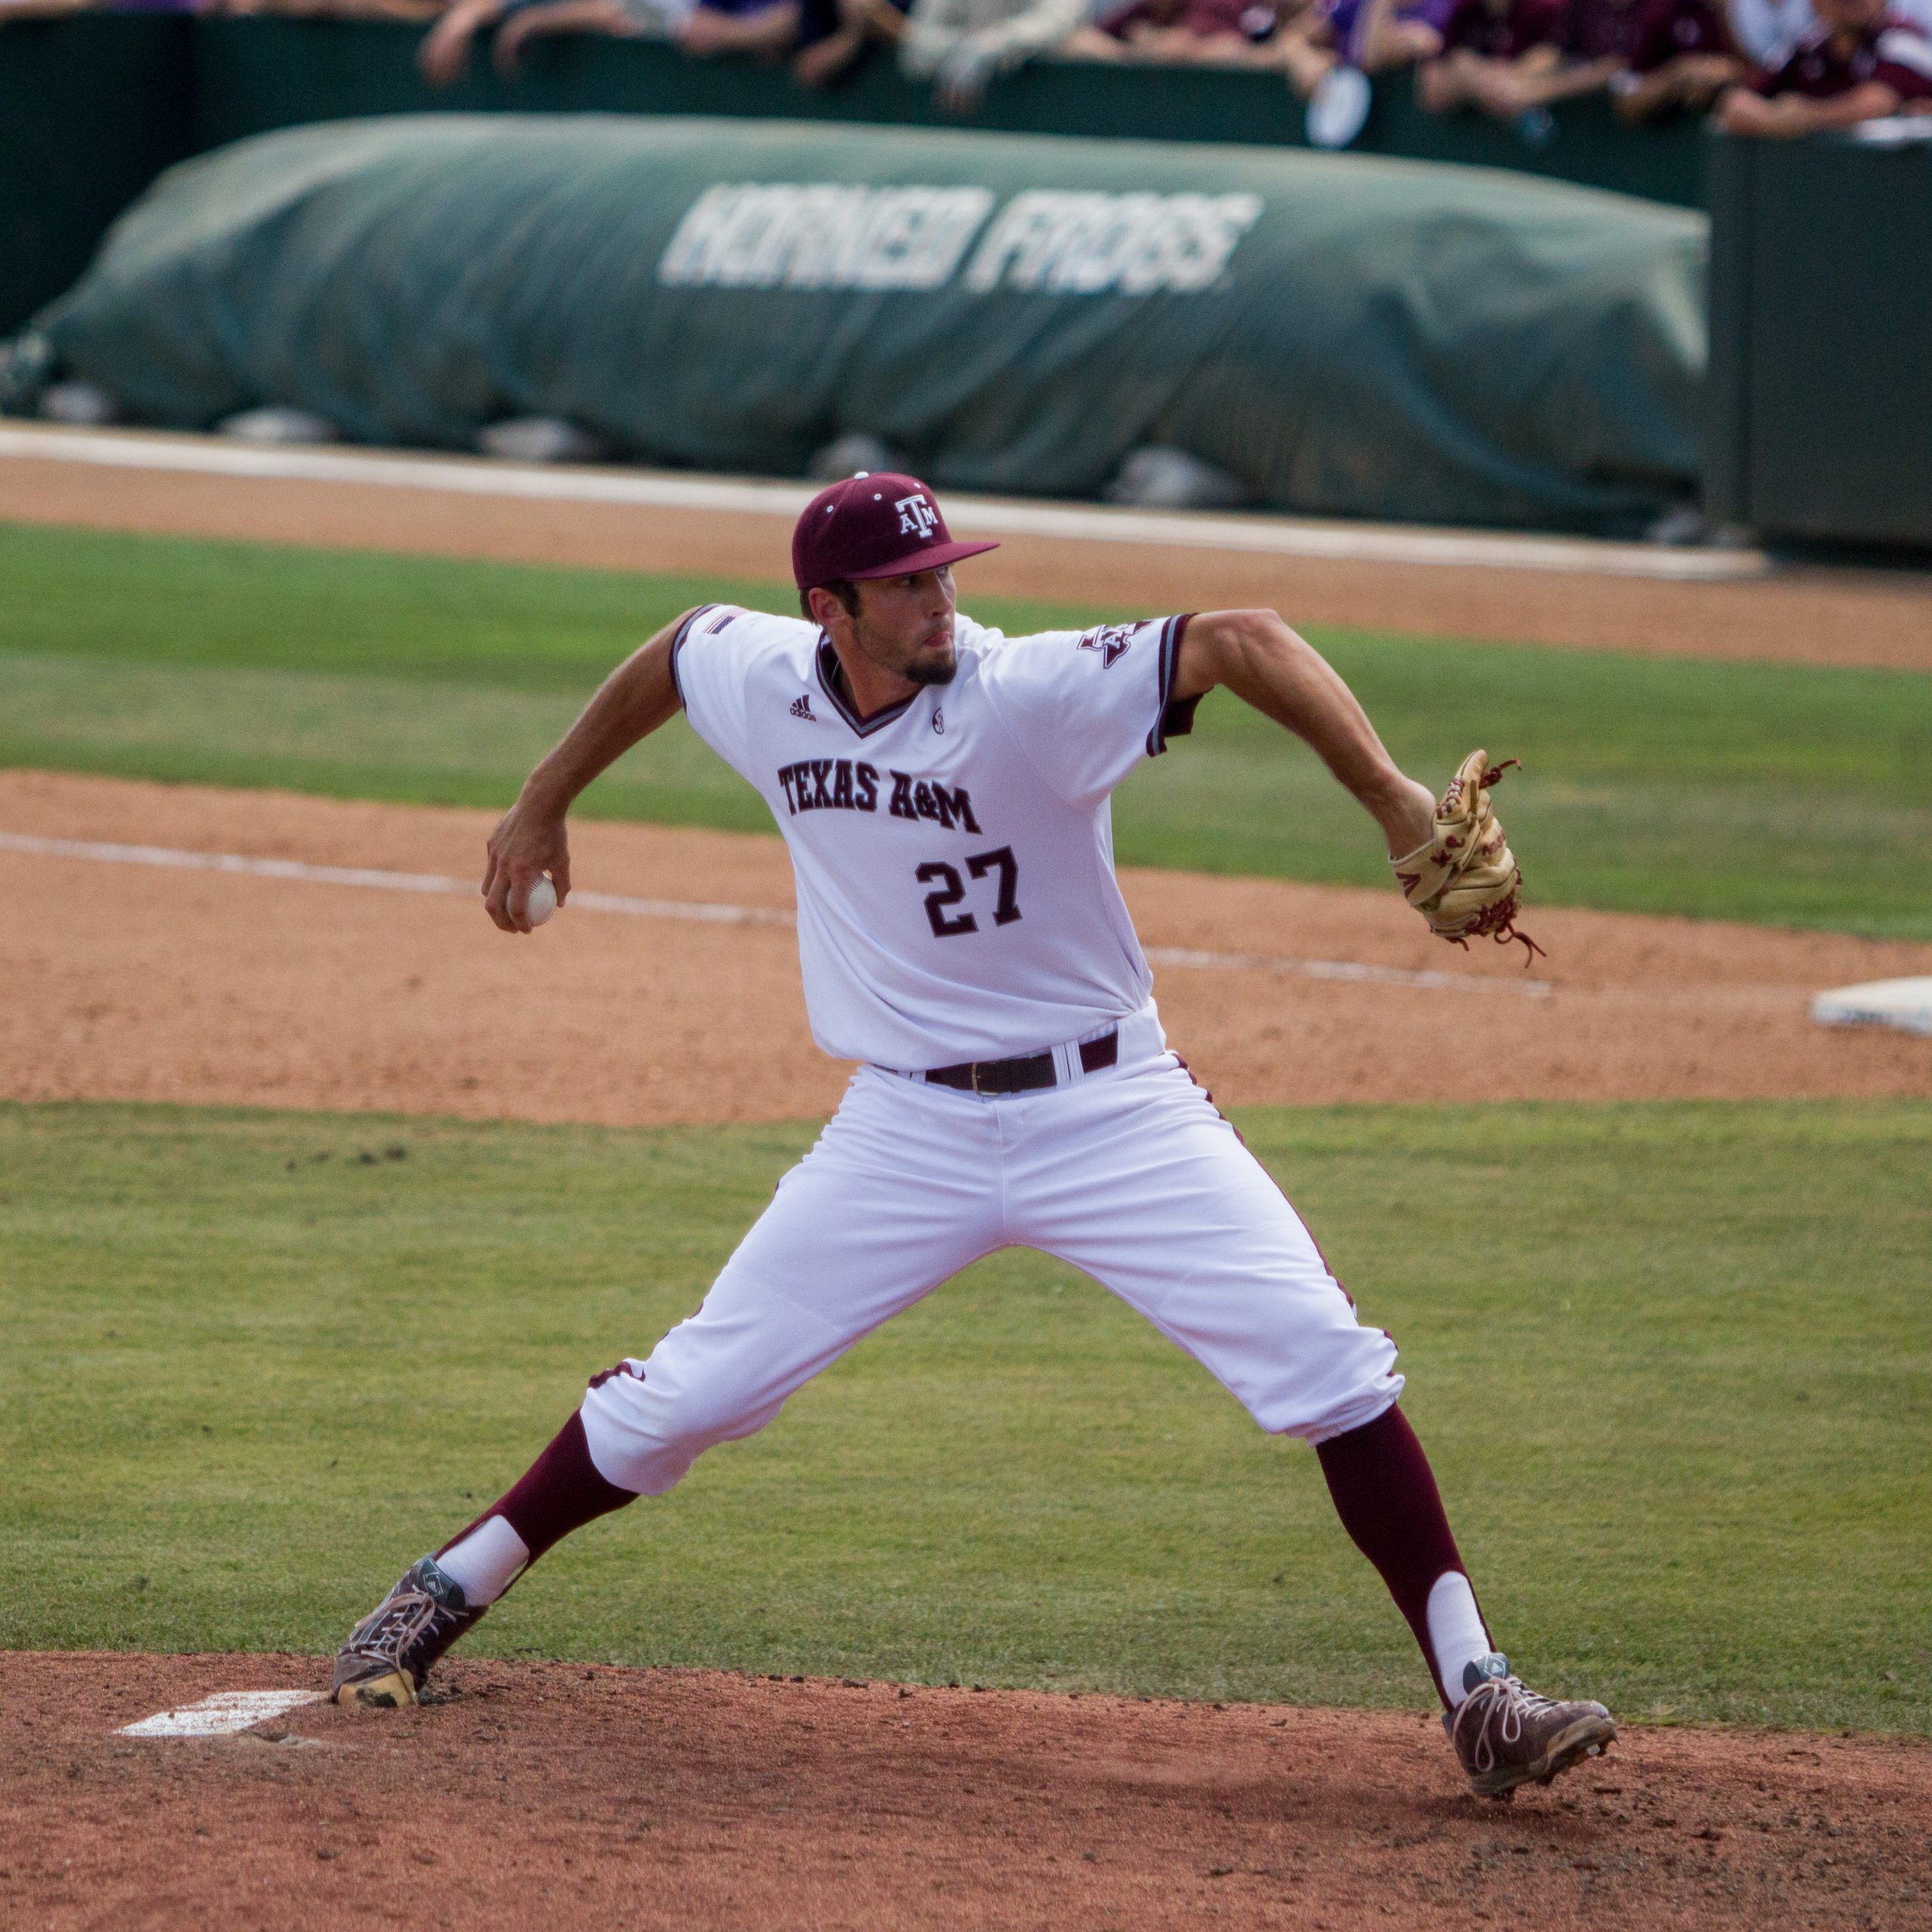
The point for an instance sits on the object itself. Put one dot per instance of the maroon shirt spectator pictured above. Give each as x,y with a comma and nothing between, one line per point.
1602,30
1667,29
1827,63
1505,33
1858,63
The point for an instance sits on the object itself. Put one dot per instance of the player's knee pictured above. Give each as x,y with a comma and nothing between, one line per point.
647,1422
1329,1384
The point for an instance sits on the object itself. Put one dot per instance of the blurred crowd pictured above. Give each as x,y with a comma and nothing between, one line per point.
1763,67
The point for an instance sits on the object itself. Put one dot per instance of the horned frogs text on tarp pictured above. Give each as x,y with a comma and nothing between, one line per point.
824,236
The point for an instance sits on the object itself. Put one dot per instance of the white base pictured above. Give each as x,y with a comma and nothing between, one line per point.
1905,1004
220,1715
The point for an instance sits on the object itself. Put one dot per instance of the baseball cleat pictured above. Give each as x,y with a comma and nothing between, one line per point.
1505,1734
389,1655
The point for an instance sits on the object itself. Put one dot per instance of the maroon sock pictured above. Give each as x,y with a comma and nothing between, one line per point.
560,1492
1385,1495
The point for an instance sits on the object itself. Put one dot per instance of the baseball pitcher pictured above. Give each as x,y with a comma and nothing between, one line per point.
944,792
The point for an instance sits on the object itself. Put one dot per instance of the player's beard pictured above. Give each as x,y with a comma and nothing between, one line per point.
932,657
924,666
933,670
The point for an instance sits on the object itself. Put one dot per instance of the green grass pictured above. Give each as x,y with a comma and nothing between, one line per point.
1674,1364
1786,794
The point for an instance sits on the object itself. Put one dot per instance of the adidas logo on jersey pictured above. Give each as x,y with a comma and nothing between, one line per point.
802,707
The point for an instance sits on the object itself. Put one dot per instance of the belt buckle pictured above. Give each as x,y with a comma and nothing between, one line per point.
976,1066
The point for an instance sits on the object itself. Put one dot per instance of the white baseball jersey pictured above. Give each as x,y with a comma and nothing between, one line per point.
957,902
954,852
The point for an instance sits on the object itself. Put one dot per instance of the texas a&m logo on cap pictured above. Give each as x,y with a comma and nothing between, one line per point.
917,517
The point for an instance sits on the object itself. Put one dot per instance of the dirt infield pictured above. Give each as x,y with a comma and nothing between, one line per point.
1839,617
136,982
570,1795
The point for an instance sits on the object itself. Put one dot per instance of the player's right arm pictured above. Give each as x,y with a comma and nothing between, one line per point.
639,696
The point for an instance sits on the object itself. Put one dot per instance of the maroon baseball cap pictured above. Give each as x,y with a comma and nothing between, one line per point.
876,524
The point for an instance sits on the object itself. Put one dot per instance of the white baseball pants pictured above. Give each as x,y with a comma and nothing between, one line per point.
1128,1173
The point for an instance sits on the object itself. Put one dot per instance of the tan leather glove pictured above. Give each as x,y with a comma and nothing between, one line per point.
1465,881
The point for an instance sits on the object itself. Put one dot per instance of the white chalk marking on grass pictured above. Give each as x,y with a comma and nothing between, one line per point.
1185,958
220,1715
1193,530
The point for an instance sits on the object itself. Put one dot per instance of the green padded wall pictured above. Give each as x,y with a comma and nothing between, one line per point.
1346,334
1820,424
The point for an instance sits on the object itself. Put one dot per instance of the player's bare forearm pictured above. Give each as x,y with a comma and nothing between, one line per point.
1265,664
637,698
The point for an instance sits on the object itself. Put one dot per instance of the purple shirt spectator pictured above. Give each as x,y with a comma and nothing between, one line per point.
1348,20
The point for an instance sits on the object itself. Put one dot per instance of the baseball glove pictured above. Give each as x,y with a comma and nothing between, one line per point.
1465,881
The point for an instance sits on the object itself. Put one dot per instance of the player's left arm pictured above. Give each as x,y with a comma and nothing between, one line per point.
1265,663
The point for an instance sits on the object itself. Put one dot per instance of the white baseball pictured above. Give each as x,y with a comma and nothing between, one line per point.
543,900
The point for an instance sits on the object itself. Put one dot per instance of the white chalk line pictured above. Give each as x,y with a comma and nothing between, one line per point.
370,877
220,1715
1347,970
982,516
1185,958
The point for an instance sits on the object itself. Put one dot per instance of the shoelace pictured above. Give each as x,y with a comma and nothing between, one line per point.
395,1626
1509,1698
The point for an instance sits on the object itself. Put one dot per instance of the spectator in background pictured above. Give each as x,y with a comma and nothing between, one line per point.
1184,33
1493,51
833,33
1684,57
1372,36
1860,63
1595,46
1225,33
330,10
767,27
1766,31
1378,34
1599,42
959,45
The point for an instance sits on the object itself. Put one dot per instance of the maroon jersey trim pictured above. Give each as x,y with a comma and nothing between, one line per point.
1170,719
677,645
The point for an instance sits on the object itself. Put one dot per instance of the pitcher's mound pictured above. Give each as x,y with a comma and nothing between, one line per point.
555,1795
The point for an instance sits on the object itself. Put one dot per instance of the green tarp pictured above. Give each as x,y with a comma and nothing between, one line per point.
1345,335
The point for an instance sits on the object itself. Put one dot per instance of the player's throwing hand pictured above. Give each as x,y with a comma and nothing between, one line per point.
529,841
